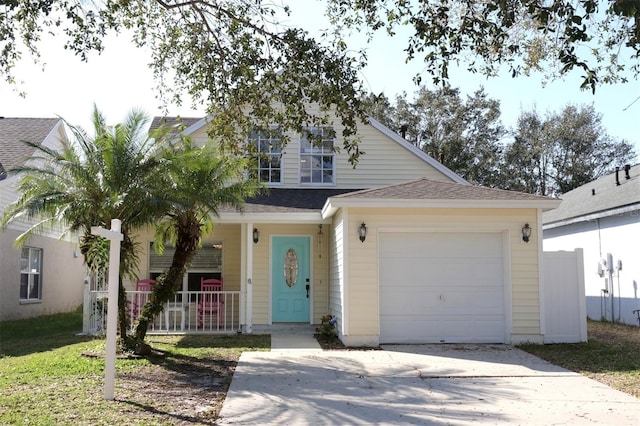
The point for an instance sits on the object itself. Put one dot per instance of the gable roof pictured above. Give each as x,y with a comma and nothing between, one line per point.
15,130
190,124
431,193
194,124
599,198
416,151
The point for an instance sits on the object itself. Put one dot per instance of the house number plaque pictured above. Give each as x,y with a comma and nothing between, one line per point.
291,267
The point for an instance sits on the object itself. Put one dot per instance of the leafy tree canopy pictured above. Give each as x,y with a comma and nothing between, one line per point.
231,55
462,133
545,155
554,154
600,38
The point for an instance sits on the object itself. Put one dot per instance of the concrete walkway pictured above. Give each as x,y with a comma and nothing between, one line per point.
293,338
298,383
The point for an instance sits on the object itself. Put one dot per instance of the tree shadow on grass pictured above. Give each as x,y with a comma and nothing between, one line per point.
41,334
182,418
182,388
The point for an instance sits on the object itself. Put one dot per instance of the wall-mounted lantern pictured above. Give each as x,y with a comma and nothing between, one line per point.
256,235
362,232
526,232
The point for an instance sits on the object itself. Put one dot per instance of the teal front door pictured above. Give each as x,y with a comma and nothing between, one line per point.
290,279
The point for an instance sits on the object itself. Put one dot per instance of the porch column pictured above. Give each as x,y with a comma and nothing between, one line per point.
243,278
248,279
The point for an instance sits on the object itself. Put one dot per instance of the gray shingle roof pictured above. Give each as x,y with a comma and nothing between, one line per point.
281,200
427,189
173,121
15,130
598,196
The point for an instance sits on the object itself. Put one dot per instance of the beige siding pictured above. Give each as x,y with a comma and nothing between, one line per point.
384,161
229,235
62,277
261,278
200,138
521,277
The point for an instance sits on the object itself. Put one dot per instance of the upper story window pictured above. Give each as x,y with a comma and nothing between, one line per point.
266,148
317,158
31,274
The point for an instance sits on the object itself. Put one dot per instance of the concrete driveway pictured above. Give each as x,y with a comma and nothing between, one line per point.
418,384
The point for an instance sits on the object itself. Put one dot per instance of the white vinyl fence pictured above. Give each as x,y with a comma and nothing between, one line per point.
564,303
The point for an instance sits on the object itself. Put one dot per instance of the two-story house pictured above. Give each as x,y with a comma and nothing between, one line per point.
46,275
399,249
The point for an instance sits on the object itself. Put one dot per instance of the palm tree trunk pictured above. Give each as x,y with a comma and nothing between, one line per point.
170,281
123,324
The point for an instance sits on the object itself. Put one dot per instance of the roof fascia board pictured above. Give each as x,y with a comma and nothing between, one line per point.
592,216
195,126
332,205
329,208
281,217
416,151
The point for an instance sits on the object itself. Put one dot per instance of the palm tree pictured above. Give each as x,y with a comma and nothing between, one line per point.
89,181
189,215
123,172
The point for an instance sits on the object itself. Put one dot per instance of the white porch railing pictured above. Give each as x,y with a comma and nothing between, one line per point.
186,312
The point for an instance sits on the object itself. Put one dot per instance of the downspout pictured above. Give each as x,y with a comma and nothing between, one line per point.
539,235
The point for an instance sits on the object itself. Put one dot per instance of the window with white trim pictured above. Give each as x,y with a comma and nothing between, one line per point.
266,146
31,274
317,165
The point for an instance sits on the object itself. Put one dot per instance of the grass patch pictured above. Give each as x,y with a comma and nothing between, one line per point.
611,356
45,379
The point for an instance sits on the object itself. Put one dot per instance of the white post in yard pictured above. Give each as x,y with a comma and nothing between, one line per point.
115,237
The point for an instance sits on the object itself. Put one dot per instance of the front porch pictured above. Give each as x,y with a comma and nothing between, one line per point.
186,313
248,270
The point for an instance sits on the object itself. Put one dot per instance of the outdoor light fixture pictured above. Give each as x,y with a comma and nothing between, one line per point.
256,235
362,232
320,235
526,232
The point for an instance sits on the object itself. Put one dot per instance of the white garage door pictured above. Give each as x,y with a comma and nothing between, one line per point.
441,288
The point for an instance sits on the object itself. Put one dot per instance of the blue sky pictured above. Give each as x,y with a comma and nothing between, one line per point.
119,79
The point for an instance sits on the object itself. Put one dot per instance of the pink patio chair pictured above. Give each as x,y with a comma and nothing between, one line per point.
143,288
210,304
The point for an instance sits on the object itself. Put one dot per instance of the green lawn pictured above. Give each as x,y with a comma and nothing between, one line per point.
47,379
611,356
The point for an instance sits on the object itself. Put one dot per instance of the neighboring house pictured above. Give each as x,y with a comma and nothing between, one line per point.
46,275
603,218
399,249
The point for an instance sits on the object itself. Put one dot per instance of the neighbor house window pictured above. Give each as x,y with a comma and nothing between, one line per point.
266,148
31,274
317,156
